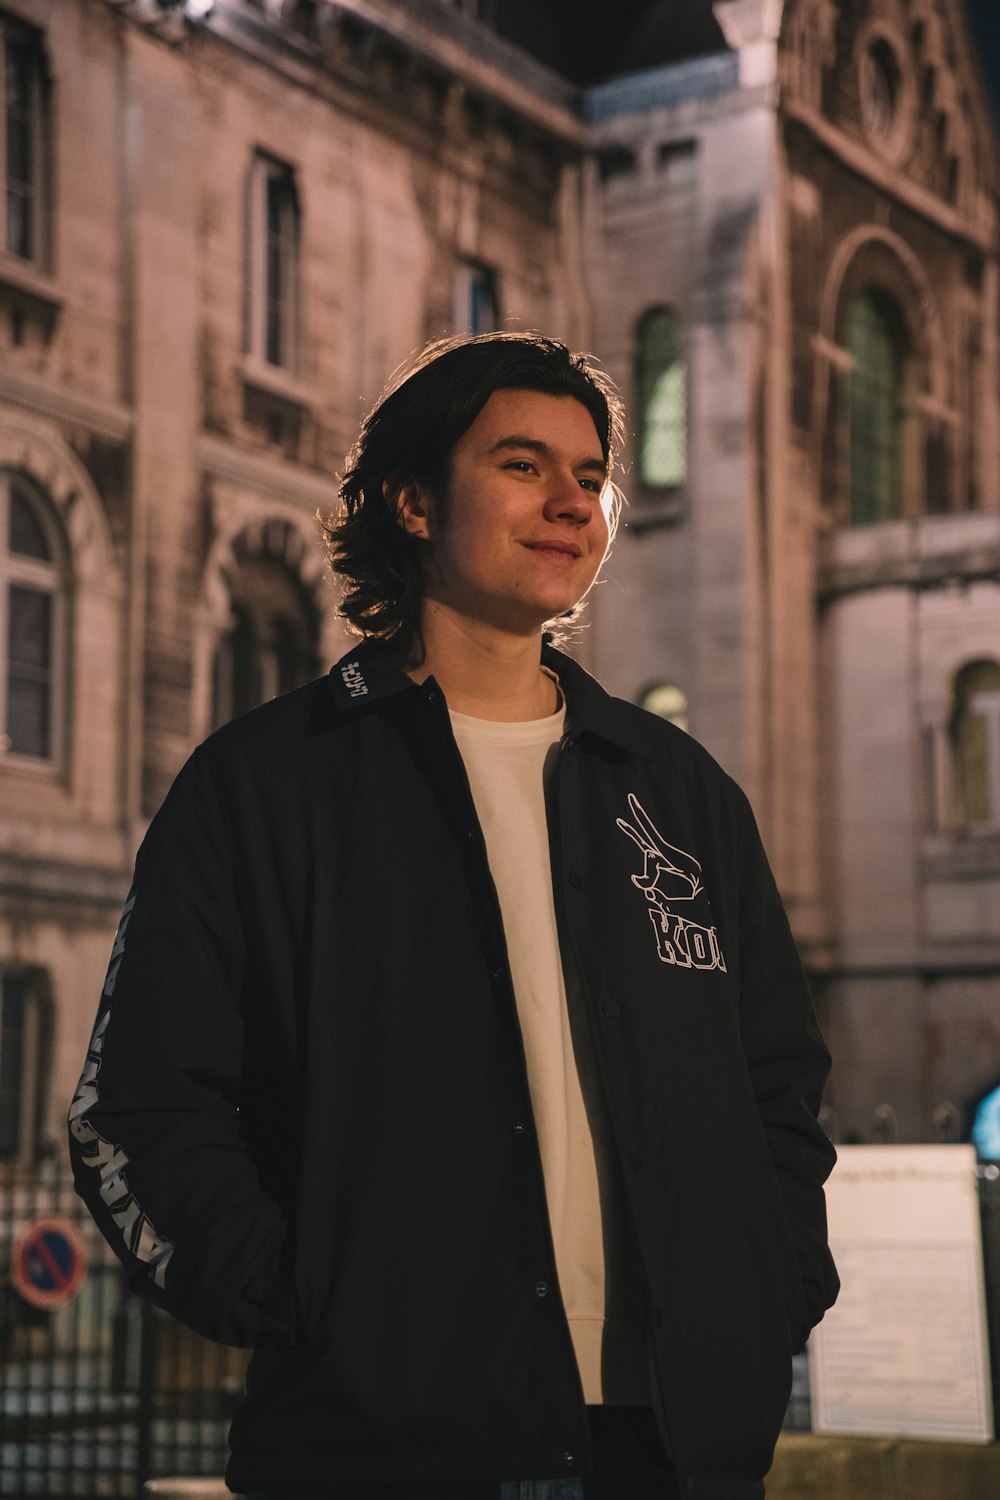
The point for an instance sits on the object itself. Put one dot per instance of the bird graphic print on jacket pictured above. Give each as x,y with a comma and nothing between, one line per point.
669,878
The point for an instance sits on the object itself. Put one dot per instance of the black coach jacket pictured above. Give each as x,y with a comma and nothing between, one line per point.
304,1121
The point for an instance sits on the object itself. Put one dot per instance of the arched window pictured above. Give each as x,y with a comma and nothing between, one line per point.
975,731
878,345
271,645
667,700
661,400
30,621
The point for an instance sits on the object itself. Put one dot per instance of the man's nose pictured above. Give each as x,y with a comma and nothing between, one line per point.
566,500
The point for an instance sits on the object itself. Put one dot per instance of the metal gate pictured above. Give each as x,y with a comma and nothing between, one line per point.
104,1392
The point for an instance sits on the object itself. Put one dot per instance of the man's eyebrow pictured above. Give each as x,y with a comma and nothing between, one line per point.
537,445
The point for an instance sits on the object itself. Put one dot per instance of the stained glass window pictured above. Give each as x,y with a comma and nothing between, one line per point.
661,400
877,344
976,743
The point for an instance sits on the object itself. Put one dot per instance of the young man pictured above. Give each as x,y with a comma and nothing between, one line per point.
454,1051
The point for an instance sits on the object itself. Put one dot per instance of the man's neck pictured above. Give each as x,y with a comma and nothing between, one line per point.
484,672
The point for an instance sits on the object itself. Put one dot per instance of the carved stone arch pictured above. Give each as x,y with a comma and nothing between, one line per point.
872,262
277,532
807,48
37,450
248,528
933,45
873,255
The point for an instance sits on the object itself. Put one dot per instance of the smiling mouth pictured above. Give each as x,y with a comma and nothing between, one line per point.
554,549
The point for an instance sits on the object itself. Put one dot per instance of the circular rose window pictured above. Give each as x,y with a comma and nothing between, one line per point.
881,79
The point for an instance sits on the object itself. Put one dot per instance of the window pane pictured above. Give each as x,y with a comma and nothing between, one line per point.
270,646
664,438
243,655
29,702
30,635
482,303
279,254
29,725
661,398
875,401
13,1005
973,755
296,663
21,76
976,739
26,534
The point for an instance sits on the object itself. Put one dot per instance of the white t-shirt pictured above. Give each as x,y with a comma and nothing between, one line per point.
505,764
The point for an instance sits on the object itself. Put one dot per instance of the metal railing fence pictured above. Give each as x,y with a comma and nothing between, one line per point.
104,1392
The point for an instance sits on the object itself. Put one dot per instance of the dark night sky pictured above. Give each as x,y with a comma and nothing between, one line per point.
575,37
985,18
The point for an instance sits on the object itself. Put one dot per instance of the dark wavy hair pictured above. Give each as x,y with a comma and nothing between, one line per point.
410,434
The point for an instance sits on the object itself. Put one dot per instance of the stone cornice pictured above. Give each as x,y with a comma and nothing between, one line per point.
891,180
110,419
463,51
221,459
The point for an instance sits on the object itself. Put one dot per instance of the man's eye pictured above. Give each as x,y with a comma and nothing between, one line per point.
521,465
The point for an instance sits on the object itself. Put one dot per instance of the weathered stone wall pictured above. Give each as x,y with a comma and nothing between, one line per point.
908,935
131,401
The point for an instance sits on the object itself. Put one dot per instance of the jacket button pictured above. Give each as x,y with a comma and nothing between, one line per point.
432,695
518,1127
610,1008
569,1460
575,880
497,975
541,1289
635,1161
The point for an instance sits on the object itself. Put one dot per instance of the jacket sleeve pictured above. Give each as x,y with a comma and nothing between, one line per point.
154,1126
788,1064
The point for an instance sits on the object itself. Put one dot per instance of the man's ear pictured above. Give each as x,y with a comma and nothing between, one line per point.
412,506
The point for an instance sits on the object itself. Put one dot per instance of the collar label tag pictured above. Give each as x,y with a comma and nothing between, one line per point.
353,680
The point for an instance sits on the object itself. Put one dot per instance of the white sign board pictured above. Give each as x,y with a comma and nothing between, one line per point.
903,1353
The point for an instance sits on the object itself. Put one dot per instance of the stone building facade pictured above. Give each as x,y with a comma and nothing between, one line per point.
820,582
225,226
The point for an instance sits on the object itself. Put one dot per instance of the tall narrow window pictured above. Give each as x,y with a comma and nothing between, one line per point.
272,642
272,292
21,1067
975,729
30,622
24,146
876,341
477,304
661,400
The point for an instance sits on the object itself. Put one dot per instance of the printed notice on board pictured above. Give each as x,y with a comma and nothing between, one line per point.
904,1352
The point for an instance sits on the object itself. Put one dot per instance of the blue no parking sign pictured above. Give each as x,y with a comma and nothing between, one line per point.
50,1263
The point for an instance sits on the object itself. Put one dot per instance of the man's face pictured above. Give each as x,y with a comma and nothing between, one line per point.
526,520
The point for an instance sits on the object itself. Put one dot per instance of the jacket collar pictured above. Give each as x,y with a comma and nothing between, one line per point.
367,675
